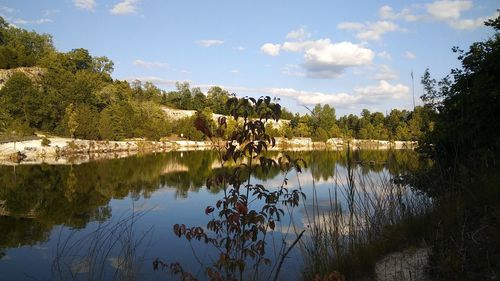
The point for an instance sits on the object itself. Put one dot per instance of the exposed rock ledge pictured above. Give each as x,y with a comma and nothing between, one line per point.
34,73
74,151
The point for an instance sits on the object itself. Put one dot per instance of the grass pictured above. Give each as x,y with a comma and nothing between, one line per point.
110,252
366,217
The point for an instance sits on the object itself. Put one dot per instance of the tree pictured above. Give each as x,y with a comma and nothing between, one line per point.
72,122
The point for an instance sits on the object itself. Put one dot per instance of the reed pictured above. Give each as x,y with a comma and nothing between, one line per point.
365,217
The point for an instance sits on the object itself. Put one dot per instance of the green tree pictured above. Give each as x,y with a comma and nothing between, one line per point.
72,121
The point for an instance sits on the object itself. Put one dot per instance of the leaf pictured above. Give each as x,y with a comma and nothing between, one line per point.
209,210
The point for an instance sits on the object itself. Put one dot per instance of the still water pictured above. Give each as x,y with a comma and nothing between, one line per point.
111,219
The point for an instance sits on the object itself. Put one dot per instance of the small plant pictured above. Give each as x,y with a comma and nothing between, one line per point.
45,141
239,222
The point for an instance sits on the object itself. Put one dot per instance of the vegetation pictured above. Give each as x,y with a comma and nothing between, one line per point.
464,179
247,212
77,97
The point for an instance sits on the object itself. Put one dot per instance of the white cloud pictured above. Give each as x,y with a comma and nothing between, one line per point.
206,43
387,12
446,9
85,4
450,12
7,10
322,58
271,49
235,71
311,98
384,55
149,64
469,24
292,70
382,91
373,94
385,73
409,55
153,79
125,7
370,30
298,34
49,13
330,60
38,21
240,48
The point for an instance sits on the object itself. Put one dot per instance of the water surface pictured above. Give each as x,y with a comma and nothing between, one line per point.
110,219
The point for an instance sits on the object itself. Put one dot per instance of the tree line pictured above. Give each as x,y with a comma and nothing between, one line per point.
76,96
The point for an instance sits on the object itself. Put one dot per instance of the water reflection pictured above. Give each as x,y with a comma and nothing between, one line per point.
36,198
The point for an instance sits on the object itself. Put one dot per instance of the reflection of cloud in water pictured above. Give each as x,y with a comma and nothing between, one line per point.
40,248
5,258
148,208
80,266
119,263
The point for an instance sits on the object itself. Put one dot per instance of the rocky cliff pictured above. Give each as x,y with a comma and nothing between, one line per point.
34,73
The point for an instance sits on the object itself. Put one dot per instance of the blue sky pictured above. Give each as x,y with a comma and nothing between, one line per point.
349,54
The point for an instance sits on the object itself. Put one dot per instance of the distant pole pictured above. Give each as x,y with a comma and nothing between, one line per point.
413,89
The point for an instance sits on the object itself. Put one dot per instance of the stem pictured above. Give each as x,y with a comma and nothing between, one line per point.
285,254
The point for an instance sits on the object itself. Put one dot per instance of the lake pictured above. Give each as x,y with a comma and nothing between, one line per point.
111,219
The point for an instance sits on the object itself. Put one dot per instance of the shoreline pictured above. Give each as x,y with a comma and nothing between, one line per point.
65,151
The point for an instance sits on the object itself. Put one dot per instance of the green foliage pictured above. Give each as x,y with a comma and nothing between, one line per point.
107,109
238,225
45,141
19,47
464,178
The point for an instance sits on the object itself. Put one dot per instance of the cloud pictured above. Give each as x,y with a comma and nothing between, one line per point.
7,10
298,34
38,21
153,79
322,58
240,48
382,91
446,9
370,30
292,70
206,43
469,24
149,64
384,55
373,94
85,4
387,13
311,98
235,71
386,73
409,55
330,60
49,13
271,49
125,7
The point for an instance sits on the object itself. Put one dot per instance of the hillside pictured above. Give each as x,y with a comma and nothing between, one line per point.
34,73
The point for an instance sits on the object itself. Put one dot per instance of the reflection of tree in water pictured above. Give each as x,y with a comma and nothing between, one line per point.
34,198
322,164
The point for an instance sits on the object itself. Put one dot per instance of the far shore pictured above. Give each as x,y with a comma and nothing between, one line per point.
75,151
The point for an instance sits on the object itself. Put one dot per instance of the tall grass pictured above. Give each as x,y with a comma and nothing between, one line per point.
365,217
110,252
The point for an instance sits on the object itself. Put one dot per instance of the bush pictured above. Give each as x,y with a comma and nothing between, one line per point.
45,141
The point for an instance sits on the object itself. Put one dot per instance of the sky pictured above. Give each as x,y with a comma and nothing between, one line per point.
349,54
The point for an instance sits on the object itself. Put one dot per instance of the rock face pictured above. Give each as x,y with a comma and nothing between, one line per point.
406,265
34,73
176,114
